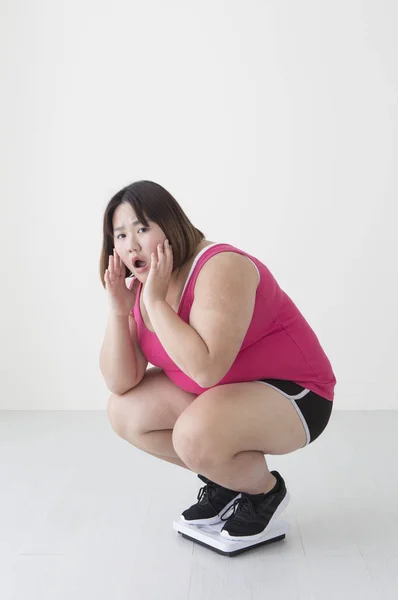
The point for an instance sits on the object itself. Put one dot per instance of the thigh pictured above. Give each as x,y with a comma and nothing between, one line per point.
154,404
237,417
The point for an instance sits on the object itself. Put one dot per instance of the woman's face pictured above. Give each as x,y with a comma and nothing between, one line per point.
135,241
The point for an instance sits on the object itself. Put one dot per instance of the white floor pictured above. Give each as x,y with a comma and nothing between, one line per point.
84,515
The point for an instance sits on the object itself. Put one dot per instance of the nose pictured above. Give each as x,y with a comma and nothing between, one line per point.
133,246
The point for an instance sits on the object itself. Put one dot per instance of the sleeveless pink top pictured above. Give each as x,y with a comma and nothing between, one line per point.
279,343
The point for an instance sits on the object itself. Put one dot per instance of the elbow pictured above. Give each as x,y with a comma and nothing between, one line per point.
119,390
207,380
119,387
212,372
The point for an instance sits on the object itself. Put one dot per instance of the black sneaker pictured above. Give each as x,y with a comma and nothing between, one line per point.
254,513
214,501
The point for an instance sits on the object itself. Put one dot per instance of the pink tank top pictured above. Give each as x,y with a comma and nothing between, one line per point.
279,343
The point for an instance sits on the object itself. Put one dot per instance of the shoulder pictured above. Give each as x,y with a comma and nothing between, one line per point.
228,267
222,310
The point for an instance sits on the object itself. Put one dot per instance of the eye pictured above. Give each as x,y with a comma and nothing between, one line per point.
146,228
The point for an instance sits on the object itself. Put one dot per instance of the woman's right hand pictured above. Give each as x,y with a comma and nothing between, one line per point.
121,299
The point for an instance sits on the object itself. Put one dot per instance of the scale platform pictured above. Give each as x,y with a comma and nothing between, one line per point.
209,536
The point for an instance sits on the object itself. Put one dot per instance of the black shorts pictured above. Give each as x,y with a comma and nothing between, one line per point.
313,410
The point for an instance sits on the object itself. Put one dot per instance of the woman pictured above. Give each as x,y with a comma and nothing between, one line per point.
238,374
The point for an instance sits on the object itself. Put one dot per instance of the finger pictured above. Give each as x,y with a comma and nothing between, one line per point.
168,254
168,249
164,250
157,257
116,259
111,268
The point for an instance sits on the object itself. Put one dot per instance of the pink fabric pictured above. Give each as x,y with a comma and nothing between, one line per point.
279,343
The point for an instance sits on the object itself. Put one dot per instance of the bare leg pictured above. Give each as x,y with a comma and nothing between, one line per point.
159,444
175,461
247,471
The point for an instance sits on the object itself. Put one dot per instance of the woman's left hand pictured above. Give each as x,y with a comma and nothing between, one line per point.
157,283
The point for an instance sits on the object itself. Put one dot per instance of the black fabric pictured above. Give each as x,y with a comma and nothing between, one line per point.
315,409
251,515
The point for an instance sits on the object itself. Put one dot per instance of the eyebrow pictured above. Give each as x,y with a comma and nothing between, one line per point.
122,226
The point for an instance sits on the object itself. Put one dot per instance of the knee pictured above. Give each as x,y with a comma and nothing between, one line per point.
194,444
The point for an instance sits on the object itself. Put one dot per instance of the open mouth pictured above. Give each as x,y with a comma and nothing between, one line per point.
139,265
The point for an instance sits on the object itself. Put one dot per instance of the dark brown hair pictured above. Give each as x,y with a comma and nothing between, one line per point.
151,201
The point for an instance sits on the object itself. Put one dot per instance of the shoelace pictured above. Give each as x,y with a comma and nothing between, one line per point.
243,504
246,510
205,493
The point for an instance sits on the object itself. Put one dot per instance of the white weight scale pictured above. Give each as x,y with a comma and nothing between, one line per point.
209,536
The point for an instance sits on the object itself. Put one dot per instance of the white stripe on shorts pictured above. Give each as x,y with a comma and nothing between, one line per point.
294,404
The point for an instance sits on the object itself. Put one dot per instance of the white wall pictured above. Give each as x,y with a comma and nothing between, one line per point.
274,124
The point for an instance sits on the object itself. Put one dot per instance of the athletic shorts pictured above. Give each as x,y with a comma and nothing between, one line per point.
313,410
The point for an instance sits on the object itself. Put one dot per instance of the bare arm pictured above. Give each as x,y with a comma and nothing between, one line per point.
121,362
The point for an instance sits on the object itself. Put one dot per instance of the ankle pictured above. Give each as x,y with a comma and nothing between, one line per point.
273,484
